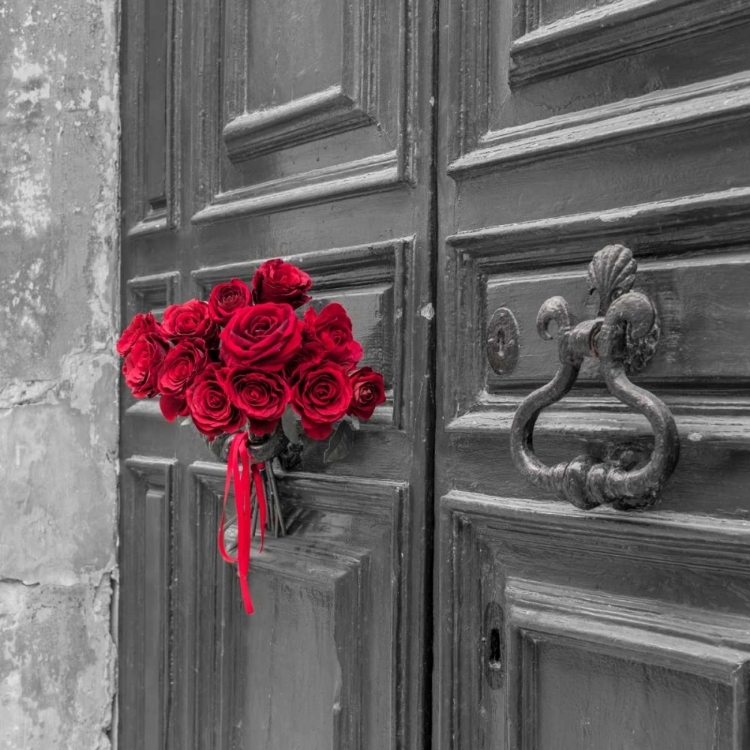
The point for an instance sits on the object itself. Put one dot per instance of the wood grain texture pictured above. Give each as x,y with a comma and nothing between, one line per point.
520,86
700,316
328,585
327,581
146,637
145,408
467,80
306,119
706,220
724,423
658,537
361,177
213,591
504,548
351,102
565,126
669,238
153,123
374,92
153,293
616,29
663,112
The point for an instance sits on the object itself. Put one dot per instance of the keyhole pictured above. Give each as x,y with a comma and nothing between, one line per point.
495,660
500,343
493,646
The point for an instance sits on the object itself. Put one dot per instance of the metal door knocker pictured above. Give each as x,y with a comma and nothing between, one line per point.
623,337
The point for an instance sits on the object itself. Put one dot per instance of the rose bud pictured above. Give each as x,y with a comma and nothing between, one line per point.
179,368
278,281
261,396
141,324
368,391
321,394
332,327
141,366
264,336
226,298
189,320
210,408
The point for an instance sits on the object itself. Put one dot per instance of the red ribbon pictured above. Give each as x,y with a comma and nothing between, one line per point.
240,468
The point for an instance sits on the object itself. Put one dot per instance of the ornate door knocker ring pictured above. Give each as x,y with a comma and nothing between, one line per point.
623,337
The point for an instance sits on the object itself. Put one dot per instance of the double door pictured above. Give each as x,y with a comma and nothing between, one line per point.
428,164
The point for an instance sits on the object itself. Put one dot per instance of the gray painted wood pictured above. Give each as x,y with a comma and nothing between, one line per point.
562,126
565,126
301,130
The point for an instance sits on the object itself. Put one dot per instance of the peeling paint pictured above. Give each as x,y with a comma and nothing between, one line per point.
427,311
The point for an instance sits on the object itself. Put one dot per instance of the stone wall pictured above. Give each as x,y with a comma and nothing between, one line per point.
59,245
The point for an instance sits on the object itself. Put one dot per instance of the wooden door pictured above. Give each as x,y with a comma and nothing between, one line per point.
302,129
566,126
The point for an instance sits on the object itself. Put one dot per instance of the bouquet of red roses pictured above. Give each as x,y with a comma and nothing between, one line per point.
240,367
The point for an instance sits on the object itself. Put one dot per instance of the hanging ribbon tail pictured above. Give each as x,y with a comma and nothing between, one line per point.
239,473
231,464
243,500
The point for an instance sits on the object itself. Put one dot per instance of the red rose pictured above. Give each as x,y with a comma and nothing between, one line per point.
173,407
262,396
368,391
226,299
309,351
321,394
141,366
177,372
189,320
264,336
278,281
332,327
212,411
141,324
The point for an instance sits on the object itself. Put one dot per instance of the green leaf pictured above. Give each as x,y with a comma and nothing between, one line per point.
340,443
356,424
186,421
291,426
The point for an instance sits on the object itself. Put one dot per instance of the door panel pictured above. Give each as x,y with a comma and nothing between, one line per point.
301,115
328,610
301,130
146,565
617,631
565,127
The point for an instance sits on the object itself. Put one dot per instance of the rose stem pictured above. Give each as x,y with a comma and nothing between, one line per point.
276,516
276,499
271,516
253,502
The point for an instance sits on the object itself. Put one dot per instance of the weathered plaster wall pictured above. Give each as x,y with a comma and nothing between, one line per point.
59,126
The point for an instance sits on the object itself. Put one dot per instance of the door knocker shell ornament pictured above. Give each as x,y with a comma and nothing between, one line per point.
623,337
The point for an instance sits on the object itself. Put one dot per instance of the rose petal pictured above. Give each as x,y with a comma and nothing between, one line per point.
173,407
